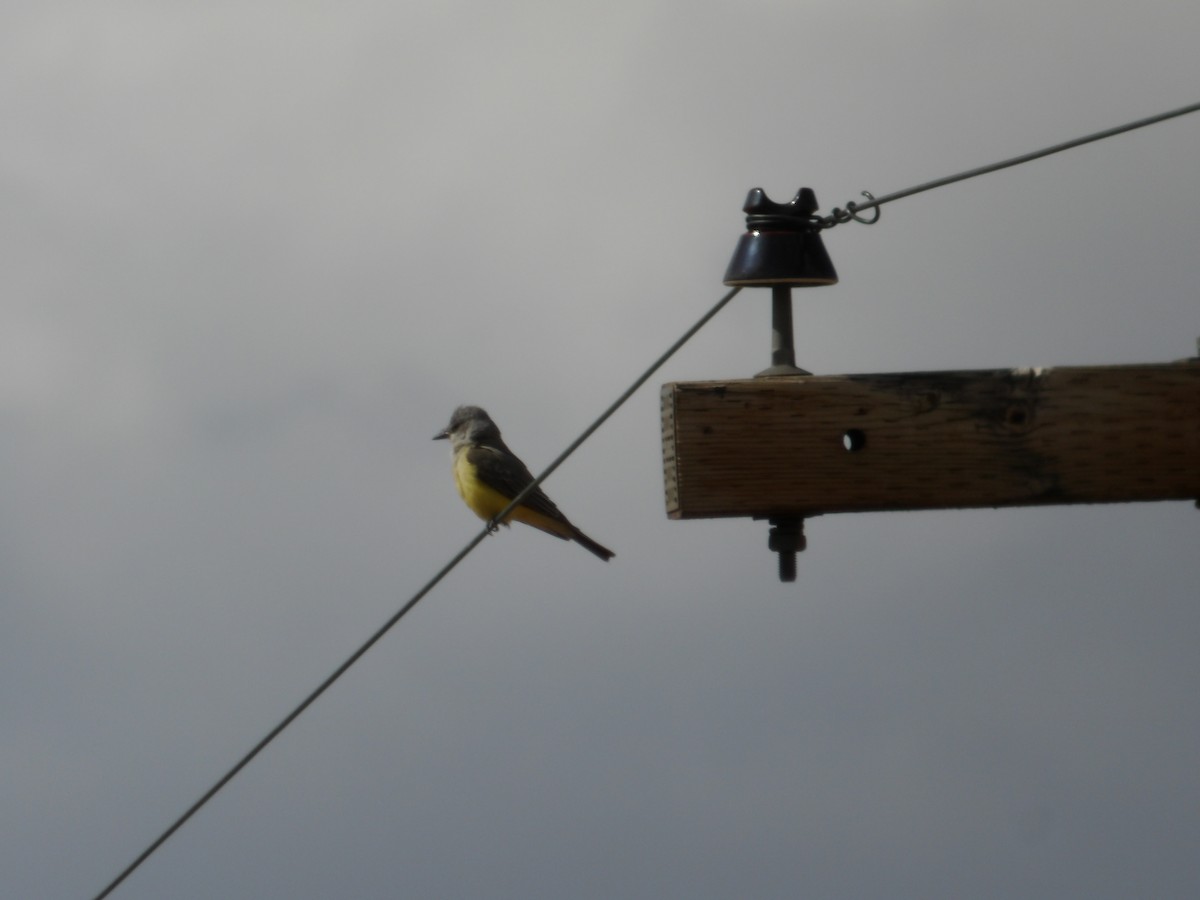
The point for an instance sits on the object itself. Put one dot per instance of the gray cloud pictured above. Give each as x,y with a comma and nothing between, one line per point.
254,257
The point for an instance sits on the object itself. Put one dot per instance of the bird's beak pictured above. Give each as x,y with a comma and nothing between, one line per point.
442,435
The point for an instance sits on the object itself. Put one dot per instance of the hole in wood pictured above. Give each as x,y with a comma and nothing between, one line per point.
854,439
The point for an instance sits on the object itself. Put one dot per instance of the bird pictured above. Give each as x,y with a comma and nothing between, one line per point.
489,476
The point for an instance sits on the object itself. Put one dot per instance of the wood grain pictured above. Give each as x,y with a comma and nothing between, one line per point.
931,440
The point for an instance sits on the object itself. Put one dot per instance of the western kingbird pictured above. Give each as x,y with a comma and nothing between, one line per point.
489,476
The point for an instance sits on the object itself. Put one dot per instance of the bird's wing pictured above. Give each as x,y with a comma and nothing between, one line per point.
504,472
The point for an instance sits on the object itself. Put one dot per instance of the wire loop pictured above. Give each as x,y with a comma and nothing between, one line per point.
852,208
850,213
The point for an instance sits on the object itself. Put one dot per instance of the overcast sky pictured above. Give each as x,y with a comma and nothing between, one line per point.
254,253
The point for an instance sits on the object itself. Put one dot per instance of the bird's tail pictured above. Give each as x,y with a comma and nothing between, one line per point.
588,544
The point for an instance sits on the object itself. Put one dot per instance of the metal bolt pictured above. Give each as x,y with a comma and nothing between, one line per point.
787,539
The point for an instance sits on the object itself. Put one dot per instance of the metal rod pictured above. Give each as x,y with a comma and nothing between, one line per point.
783,347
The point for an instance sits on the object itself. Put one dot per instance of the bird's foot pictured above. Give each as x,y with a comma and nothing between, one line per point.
493,526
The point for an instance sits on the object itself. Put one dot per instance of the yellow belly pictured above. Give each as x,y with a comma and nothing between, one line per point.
487,502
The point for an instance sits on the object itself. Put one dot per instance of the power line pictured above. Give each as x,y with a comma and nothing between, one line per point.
838,216
291,717
413,601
